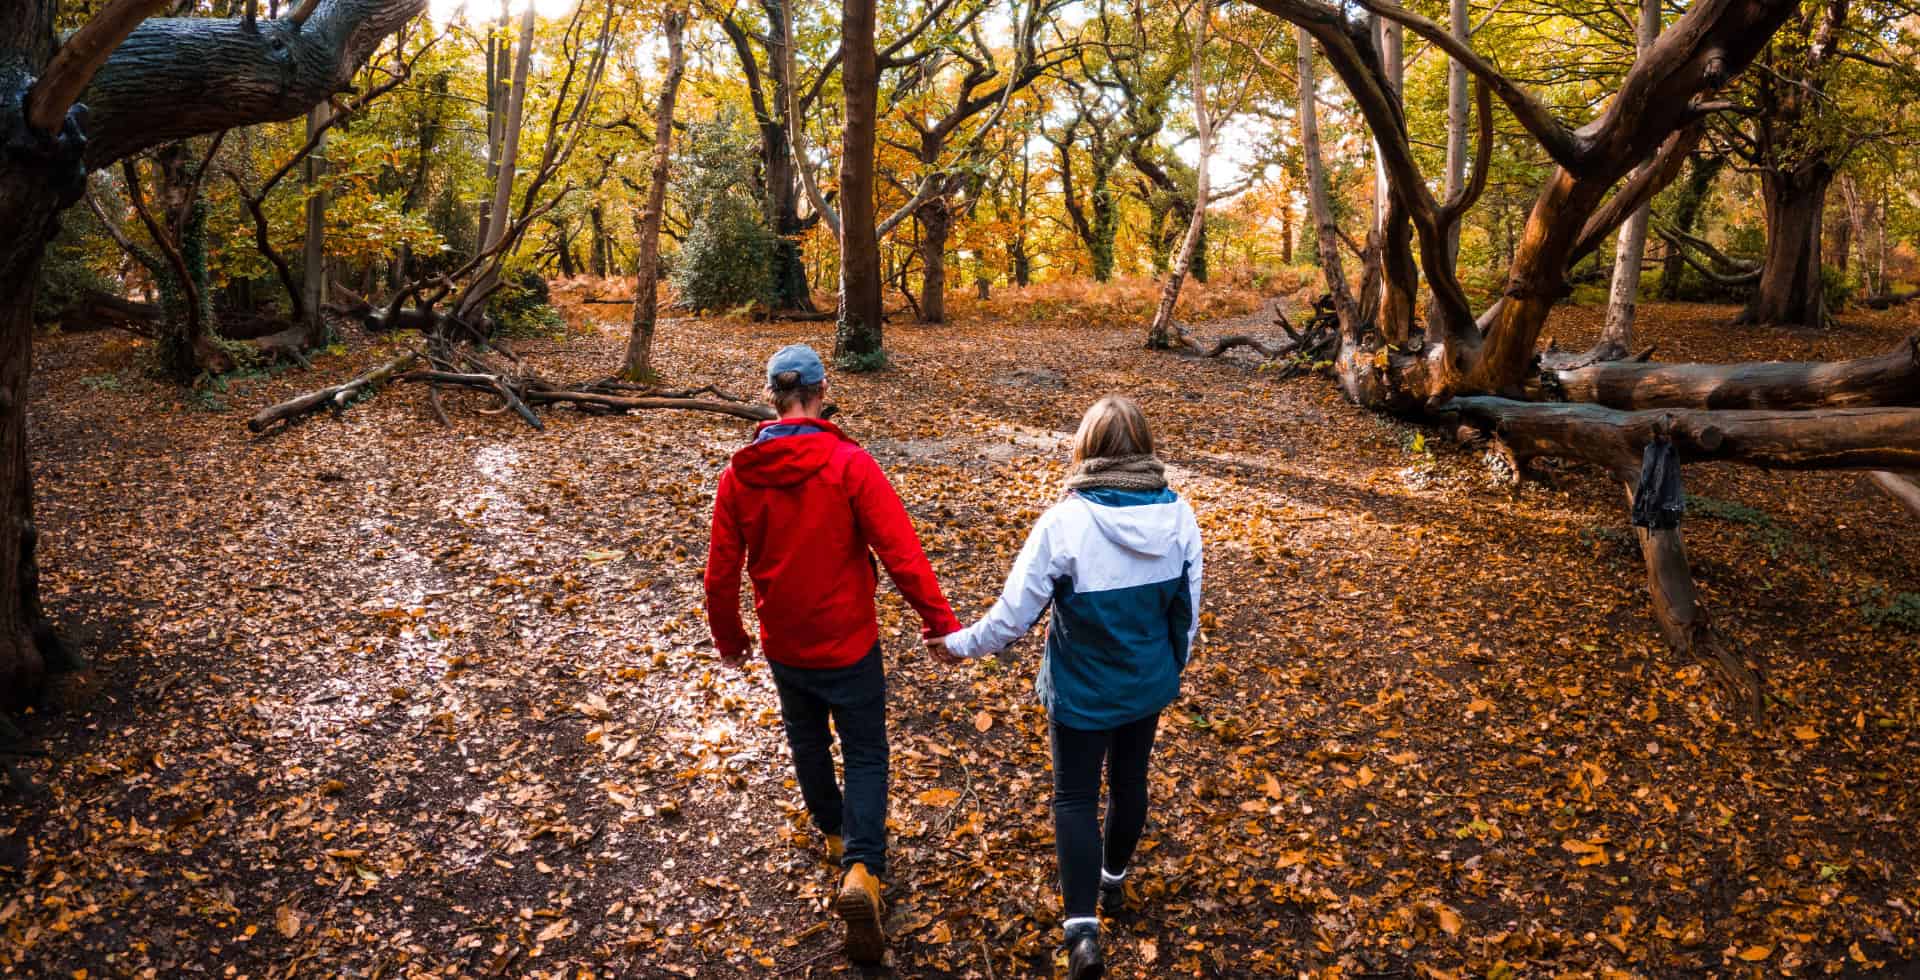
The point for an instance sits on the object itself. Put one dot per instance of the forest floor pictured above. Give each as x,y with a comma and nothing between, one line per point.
378,697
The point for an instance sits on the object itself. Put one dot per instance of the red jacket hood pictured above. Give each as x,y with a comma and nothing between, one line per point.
786,460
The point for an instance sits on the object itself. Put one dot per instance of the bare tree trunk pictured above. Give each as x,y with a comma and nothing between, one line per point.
936,224
858,339
1840,229
1857,232
1616,336
1790,290
499,58
502,207
313,266
1326,232
1286,234
30,211
639,361
599,253
1017,248
1457,110
1398,275
1160,333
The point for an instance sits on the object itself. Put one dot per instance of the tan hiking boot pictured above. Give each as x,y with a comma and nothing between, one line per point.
836,849
859,905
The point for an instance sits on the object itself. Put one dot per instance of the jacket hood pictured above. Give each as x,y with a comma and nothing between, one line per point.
786,459
1140,522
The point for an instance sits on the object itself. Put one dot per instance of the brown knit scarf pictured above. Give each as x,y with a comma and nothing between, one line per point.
1118,473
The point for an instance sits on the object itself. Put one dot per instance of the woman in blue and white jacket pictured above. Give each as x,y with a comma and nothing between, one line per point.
1119,561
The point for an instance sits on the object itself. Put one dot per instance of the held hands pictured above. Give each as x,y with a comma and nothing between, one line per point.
937,649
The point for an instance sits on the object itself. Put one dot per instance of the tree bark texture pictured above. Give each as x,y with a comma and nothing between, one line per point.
1160,332
502,207
1889,379
1616,334
313,264
936,225
646,289
1790,290
858,338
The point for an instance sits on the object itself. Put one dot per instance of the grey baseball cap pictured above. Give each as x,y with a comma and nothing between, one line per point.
800,359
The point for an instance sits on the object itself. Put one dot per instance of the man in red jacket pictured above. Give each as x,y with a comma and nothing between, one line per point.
806,509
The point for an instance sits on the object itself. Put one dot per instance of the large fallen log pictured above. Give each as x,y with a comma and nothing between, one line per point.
1887,301
1823,439
335,397
1892,378
95,310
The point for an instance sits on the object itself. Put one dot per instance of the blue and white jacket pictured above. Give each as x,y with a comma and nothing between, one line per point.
1121,569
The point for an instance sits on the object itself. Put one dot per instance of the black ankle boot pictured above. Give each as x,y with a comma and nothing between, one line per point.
1084,961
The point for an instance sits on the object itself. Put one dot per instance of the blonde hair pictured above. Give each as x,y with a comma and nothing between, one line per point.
1114,426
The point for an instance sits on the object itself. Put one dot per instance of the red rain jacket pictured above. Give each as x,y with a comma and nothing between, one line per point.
806,513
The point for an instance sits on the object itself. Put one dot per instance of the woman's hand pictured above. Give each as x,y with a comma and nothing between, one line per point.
937,649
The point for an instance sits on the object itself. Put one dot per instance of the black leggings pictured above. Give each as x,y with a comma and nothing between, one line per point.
1077,759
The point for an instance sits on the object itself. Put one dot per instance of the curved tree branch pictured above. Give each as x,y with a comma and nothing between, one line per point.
1646,182
175,78
1565,146
80,58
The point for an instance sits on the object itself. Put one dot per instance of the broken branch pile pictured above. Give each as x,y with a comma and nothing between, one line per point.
1301,350
518,388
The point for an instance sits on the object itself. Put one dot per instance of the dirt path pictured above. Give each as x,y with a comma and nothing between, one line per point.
382,697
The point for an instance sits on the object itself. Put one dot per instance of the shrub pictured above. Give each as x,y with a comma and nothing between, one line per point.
726,260
521,309
1899,611
1837,286
72,265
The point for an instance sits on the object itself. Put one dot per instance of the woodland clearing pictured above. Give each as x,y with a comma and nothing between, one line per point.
378,697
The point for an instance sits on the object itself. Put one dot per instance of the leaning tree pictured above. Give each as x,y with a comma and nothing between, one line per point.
120,84
1485,370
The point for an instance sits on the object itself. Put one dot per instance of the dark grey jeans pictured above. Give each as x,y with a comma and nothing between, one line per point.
1083,850
855,698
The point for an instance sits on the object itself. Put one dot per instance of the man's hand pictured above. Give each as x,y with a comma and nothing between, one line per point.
738,661
937,649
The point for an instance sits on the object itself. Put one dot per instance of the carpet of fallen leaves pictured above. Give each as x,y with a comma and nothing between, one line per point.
377,697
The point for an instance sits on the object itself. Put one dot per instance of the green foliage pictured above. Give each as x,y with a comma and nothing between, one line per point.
1713,508
1837,286
714,162
521,308
862,363
727,258
1898,610
72,266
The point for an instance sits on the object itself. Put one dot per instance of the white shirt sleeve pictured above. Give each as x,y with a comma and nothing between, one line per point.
1196,563
1028,590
